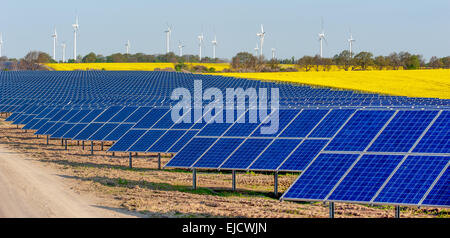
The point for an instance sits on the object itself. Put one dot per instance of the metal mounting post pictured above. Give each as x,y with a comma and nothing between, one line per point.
275,184
92,147
233,180
397,211
47,139
159,161
194,179
102,145
130,158
82,145
331,209
65,145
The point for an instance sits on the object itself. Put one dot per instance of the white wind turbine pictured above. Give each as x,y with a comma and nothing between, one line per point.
200,44
214,43
168,35
55,39
273,53
63,45
180,47
128,45
261,40
321,39
76,27
1,44
350,42
256,49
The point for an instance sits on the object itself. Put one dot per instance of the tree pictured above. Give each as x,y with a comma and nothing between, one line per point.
435,63
306,62
90,58
394,61
343,60
364,59
445,62
244,61
317,60
326,64
380,62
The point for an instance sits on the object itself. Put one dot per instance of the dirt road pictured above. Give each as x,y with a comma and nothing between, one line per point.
29,190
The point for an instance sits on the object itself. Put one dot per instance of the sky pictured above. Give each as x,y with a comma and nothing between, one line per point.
291,27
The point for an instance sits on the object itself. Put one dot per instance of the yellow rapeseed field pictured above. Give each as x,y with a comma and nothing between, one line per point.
412,83
129,66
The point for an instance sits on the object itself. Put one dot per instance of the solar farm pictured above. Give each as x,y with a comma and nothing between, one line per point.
347,147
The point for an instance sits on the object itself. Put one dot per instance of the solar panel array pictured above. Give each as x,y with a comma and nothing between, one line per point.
349,146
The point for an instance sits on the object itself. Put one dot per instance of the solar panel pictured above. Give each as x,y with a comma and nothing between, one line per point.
440,194
304,123
303,155
359,131
74,131
182,142
411,181
320,177
144,142
120,130
88,131
103,131
284,117
366,178
331,123
151,118
126,140
123,114
189,154
275,154
62,130
403,131
246,153
437,139
108,114
167,141
217,154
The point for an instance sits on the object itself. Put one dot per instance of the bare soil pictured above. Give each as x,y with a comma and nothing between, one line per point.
146,191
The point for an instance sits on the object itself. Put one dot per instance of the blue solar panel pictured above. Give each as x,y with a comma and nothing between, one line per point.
319,179
166,141
284,117
88,131
108,114
138,114
182,141
143,143
30,124
275,154
39,124
103,131
91,116
246,153
54,128
366,177
118,132
437,139
359,131
440,194
304,123
127,140
151,118
331,123
403,131
45,128
191,152
214,129
69,115
411,181
165,122
62,130
59,115
217,154
80,115
74,131
303,155
123,114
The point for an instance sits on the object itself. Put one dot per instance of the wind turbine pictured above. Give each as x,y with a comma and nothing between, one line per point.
214,42
350,42
63,45
261,40
180,46
55,38
256,49
168,34
273,53
200,43
127,45
321,38
1,44
76,27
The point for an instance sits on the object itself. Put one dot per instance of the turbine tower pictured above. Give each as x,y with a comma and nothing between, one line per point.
273,53
127,45
200,44
261,40
214,42
256,49
350,42
55,38
76,27
168,34
63,45
321,39
1,44
180,46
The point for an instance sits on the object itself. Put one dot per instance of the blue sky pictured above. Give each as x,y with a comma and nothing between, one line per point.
291,26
